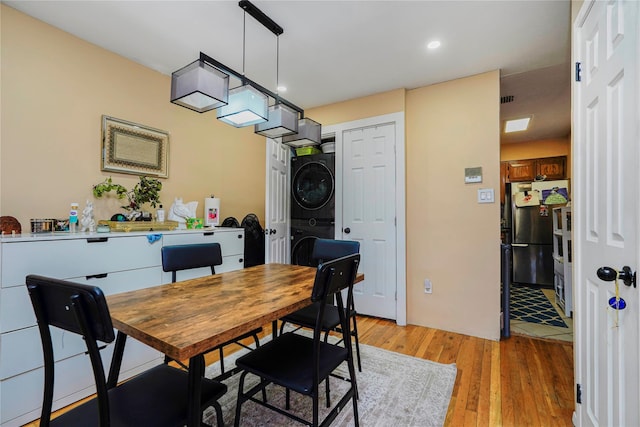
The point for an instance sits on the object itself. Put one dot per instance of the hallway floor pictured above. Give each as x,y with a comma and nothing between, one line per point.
544,331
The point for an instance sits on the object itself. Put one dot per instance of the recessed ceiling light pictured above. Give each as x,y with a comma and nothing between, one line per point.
433,44
516,125
282,88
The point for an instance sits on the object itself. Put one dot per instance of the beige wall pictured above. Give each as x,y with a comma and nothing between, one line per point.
451,239
360,108
56,87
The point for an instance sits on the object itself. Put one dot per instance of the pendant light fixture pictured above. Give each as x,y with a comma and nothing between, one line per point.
309,133
282,119
247,105
199,87
203,85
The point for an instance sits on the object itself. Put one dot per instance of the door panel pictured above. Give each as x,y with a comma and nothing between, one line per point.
369,214
277,203
606,212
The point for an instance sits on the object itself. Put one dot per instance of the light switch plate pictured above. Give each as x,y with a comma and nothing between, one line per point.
485,195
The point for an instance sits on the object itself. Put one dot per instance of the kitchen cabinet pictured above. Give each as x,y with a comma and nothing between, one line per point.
521,170
527,170
116,262
552,167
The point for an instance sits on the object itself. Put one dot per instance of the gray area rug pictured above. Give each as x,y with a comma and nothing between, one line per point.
395,390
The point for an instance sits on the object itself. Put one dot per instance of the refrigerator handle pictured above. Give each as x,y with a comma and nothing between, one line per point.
520,245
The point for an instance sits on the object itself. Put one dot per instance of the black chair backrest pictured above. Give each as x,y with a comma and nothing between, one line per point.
334,276
185,257
328,249
80,309
52,301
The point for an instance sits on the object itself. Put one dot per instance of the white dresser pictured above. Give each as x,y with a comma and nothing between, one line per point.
116,262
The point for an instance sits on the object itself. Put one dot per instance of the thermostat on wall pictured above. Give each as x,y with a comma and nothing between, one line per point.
472,175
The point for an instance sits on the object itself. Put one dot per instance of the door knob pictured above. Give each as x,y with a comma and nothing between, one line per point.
609,274
347,230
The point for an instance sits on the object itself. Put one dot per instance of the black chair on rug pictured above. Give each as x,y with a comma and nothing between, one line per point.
156,397
325,250
185,257
300,363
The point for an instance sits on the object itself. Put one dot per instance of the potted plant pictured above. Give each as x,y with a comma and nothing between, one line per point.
145,191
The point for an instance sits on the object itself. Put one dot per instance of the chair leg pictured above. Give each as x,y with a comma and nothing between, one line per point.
219,420
354,384
221,360
355,336
241,399
327,391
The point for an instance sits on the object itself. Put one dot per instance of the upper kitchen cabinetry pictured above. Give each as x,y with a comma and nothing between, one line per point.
527,170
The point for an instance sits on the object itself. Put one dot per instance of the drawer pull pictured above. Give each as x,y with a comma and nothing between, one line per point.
240,260
208,233
97,276
97,239
239,236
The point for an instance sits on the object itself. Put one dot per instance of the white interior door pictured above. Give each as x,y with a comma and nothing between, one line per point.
277,203
606,138
369,214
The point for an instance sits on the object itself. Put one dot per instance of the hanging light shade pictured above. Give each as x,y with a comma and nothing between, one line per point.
247,106
282,121
199,87
308,134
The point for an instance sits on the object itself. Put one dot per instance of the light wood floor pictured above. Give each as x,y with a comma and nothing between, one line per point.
520,381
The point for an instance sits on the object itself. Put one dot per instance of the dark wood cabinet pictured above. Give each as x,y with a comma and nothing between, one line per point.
527,170
522,170
552,167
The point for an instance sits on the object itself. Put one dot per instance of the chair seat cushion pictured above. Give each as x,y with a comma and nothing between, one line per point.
157,397
288,361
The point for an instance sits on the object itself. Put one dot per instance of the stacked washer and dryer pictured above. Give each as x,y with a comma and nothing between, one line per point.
312,204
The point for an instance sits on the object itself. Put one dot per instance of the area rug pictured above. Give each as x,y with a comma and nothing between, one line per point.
530,304
394,390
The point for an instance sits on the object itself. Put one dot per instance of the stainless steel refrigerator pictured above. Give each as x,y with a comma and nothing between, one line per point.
532,233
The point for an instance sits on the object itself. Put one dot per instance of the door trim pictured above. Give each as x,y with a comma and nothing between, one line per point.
401,257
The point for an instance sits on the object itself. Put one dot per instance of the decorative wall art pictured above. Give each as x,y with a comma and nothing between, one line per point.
134,149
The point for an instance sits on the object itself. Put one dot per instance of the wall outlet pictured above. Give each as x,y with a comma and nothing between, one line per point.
428,287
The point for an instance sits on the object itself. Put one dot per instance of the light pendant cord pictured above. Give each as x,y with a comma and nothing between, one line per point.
244,37
278,67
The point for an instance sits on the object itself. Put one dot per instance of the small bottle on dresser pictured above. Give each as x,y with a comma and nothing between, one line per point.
73,218
160,214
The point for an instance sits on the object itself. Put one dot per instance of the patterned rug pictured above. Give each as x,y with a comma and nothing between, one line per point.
529,304
394,390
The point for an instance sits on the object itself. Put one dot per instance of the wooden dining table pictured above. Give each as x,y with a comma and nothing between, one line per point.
186,319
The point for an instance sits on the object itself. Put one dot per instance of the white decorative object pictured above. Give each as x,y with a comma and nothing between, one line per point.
87,222
180,211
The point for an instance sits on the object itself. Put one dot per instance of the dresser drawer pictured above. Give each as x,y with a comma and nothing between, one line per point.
231,240
76,257
16,311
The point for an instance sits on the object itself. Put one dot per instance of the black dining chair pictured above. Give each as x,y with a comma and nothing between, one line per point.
300,363
156,397
185,257
325,250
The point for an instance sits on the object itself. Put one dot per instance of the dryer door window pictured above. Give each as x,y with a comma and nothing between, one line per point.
312,186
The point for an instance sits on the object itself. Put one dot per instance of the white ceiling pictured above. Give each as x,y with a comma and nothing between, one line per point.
337,50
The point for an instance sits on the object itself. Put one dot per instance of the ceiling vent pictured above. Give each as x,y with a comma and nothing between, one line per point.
506,99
